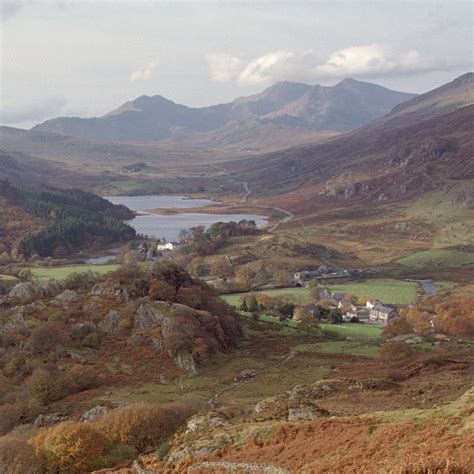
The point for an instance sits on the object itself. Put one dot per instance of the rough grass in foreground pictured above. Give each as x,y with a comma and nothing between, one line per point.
60,273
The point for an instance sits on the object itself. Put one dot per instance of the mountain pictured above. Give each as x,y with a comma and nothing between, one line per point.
418,146
312,108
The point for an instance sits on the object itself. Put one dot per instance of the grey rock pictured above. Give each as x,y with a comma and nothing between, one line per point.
68,297
307,411
49,419
185,361
24,293
94,413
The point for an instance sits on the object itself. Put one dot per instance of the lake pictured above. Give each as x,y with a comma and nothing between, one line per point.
159,226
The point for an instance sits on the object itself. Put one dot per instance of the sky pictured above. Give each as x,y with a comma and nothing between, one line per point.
85,58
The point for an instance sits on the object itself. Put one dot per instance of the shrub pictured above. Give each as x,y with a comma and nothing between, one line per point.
70,447
143,425
82,377
162,291
396,351
45,337
46,385
81,280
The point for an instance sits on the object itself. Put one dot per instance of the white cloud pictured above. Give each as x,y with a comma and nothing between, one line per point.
143,74
366,61
222,67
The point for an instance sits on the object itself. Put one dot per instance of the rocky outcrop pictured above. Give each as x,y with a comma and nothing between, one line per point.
112,321
49,419
304,411
24,293
205,422
103,289
68,297
94,413
184,360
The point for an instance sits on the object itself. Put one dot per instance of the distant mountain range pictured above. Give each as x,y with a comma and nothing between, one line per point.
285,109
423,144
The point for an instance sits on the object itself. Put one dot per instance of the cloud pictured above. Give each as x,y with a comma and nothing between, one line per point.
9,9
38,111
364,62
222,67
143,74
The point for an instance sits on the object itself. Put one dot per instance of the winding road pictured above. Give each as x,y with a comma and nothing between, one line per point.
288,214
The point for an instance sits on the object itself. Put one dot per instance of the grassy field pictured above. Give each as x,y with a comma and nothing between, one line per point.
366,332
389,291
436,258
7,277
59,273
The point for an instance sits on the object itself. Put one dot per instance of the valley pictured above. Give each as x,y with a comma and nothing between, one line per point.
281,283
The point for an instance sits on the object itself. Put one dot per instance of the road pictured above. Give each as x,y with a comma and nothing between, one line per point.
288,214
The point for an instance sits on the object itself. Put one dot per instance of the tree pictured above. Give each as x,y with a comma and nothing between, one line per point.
71,446
280,277
46,386
221,267
243,305
45,337
309,324
244,276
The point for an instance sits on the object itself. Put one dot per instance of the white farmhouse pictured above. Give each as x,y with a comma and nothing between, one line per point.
164,246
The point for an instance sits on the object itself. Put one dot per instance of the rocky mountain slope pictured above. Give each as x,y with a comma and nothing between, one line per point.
420,145
287,105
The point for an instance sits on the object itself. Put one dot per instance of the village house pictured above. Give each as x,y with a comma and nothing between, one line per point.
357,314
382,314
164,246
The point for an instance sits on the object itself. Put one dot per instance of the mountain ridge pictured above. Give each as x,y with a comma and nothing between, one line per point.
342,107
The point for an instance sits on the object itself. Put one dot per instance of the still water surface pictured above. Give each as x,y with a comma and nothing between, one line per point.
158,226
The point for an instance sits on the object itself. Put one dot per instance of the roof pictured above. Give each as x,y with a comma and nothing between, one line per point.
384,309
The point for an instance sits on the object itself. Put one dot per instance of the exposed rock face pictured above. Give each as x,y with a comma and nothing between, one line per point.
94,413
205,422
49,420
102,289
148,316
306,411
68,297
111,322
185,361
24,293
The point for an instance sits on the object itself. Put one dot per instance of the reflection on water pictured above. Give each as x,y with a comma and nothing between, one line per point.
169,226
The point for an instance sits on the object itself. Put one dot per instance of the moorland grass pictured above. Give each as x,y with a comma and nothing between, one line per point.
436,258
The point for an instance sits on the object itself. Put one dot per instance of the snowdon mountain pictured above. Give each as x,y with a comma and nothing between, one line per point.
283,107
423,145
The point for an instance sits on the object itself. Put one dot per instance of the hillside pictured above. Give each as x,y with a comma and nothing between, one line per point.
413,146
291,106
56,222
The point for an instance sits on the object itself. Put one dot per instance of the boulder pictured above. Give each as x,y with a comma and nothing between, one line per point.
49,419
94,413
24,293
205,422
68,297
306,411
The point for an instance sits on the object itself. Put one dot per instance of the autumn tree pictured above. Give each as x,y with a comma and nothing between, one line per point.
162,291
309,324
70,446
221,267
